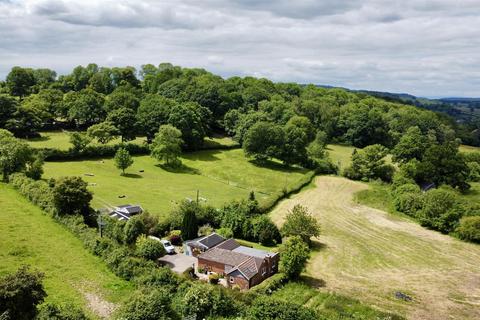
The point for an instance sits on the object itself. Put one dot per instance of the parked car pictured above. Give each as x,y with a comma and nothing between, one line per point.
168,246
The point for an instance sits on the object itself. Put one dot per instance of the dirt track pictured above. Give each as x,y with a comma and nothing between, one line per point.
369,254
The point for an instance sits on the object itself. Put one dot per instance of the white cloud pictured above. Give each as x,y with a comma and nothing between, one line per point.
428,48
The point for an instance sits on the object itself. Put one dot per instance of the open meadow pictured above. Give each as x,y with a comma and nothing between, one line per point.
72,274
219,175
370,255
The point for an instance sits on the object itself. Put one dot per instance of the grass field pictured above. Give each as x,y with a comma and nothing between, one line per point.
219,175
72,274
368,254
61,140
465,148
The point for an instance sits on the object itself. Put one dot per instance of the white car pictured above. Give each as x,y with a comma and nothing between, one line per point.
168,246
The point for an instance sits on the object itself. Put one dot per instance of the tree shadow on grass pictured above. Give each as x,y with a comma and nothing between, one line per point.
39,139
178,169
202,155
317,246
132,175
313,282
269,164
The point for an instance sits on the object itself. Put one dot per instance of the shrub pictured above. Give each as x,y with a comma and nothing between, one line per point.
271,284
152,305
159,278
205,230
149,249
70,196
440,210
294,254
265,231
20,293
50,311
133,228
469,229
227,233
268,308
201,301
214,278
300,222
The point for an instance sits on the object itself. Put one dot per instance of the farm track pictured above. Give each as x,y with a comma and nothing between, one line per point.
369,255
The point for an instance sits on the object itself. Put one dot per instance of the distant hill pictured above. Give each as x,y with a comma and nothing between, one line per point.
463,110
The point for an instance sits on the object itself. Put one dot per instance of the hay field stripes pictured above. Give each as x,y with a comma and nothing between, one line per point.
368,254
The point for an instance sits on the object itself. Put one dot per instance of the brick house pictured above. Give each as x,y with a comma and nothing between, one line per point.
241,266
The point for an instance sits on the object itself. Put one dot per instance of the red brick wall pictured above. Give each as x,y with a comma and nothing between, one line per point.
239,281
211,266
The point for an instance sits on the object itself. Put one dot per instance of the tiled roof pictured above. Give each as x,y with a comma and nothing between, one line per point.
249,268
229,244
224,256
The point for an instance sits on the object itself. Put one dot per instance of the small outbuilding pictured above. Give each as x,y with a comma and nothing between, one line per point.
126,211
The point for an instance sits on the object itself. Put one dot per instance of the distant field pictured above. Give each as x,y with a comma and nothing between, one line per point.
342,155
369,255
72,274
61,140
219,175
465,148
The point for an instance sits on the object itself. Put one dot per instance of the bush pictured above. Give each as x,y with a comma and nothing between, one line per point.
159,278
267,308
440,210
271,284
152,305
469,229
265,231
200,301
227,233
213,278
149,249
50,311
20,293
175,239
133,228
408,199
93,151
71,196
205,230
294,254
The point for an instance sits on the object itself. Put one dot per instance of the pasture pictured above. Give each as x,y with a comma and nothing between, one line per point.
219,175
370,255
72,274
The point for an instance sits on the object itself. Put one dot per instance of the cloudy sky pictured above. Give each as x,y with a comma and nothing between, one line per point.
427,48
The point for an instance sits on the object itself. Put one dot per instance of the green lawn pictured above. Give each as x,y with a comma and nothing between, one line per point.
27,236
465,148
340,155
219,175
61,140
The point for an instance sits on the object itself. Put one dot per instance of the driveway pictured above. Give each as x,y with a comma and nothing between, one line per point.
178,262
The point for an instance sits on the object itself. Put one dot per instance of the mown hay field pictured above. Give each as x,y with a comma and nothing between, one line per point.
370,255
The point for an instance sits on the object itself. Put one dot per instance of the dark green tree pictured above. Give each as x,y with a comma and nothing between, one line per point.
189,226
71,196
8,106
125,121
149,249
20,81
154,304
133,229
85,107
294,254
20,293
152,113
264,140
14,154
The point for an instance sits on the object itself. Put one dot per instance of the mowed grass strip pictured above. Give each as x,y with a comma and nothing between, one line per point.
219,175
369,255
29,237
